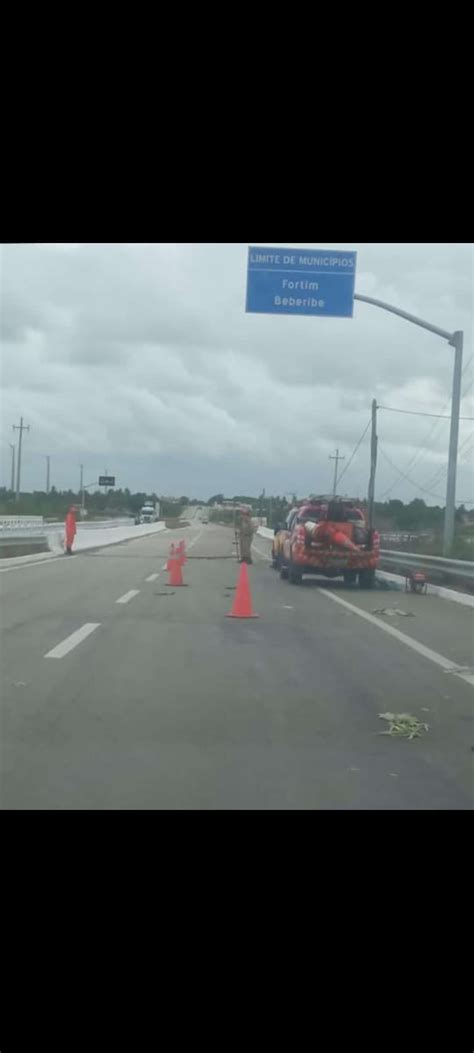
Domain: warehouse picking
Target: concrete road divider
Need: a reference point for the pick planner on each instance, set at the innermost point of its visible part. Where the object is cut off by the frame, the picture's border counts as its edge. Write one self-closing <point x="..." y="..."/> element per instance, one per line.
<point x="88" y="539"/>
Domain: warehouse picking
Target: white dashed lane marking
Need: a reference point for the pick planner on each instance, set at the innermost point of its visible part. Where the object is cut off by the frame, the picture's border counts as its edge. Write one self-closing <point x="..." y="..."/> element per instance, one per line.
<point x="73" y="640"/>
<point x="128" y="596"/>
<point x="152" y="577"/>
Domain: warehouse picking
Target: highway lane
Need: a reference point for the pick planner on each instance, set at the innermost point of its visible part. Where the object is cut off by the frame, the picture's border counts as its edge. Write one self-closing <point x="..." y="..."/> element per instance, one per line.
<point x="168" y="704"/>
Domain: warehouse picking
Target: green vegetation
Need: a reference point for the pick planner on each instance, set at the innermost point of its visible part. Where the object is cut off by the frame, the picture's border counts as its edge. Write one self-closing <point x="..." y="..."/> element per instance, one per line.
<point x="394" y="516"/>
<point x="389" y="517"/>
<point x="225" y="515"/>
<point x="99" y="505"/>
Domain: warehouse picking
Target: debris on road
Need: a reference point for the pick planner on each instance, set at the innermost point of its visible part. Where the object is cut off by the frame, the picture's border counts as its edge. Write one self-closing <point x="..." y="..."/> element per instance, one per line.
<point x="403" y="725"/>
<point x="392" y="611"/>
<point x="458" y="669"/>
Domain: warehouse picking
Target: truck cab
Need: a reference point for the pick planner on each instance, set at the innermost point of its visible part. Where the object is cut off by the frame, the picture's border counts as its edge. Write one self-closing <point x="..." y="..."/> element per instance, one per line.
<point x="148" y="514"/>
<point x="280" y="533"/>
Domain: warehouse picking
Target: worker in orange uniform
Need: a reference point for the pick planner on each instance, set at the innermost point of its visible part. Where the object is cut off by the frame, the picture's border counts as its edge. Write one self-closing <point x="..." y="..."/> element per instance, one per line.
<point x="245" y="536"/>
<point x="70" y="527"/>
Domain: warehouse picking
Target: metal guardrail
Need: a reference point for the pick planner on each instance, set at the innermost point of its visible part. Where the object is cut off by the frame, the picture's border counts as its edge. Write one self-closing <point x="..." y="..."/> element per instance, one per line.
<point x="460" y="568"/>
<point x="11" y="524"/>
<point x="12" y="527"/>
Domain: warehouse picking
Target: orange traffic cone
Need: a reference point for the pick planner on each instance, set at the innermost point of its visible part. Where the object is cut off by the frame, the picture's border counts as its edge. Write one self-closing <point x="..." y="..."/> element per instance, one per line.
<point x="175" y="573"/>
<point x="171" y="557"/>
<point x="242" y="606"/>
<point x="341" y="539"/>
<point x="182" y="552"/>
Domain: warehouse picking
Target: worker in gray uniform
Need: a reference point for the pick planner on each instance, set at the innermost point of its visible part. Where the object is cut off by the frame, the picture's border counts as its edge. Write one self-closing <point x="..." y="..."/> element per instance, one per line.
<point x="245" y="536"/>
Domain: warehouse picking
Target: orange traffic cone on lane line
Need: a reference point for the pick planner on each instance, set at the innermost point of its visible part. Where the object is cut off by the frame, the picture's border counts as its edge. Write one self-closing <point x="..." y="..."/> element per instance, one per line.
<point x="174" y="568"/>
<point x="242" y="606"/>
<point x="175" y="572"/>
<point x="171" y="557"/>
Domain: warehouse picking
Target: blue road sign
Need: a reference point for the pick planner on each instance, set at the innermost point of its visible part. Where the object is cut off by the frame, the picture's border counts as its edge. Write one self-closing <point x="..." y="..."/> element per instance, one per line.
<point x="301" y="281"/>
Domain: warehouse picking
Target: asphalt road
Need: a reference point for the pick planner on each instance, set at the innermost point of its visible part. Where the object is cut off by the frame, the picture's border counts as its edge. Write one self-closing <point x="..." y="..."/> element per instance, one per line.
<point x="121" y="693"/>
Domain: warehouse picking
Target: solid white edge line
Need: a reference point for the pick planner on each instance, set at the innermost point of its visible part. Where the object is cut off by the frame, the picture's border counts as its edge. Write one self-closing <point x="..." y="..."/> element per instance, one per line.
<point x="432" y="656"/>
<point x="73" y="640"/>
<point x="128" y="596"/>
<point x="464" y="598"/>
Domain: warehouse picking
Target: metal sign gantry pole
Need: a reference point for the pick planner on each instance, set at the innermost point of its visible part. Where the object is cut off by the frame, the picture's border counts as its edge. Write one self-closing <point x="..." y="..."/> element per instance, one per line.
<point x="454" y="340"/>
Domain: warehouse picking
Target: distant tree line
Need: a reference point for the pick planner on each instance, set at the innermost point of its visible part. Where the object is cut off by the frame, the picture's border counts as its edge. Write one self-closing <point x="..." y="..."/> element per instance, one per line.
<point x="389" y="516"/>
<point x="104" y="504"/>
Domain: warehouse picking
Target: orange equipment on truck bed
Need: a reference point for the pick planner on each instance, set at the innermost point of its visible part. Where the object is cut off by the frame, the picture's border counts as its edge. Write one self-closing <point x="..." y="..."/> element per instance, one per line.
<point x="331" y="537"/>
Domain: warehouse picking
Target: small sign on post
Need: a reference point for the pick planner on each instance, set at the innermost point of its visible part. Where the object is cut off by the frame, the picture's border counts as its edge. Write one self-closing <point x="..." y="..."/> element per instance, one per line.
<point x="301" y="281"/>
<point x="106" y="480"/>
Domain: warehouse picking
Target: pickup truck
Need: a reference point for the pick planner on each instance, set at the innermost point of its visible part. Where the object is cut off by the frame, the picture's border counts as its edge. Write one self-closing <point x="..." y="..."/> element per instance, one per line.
<point x="282" y="531"/>
<point x="330" y="538"/>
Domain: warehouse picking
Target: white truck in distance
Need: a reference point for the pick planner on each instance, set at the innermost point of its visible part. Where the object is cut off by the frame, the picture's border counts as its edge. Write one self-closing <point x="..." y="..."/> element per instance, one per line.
<point x="150" y="513"/>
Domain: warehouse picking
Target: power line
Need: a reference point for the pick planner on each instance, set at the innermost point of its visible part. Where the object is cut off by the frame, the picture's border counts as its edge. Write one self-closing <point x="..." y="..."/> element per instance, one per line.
<point x="443" y="469"/>
<point x="418" y="453"/>
<point x="407" y="477"/>
<point x="431" y="433"/>
<point x="468" y="363"/>
<point x="351" y="458"/>
<point x="417" y="413"/>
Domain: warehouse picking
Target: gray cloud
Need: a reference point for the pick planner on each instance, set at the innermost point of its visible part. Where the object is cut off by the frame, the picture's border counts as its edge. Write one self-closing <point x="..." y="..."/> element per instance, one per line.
<point x="143" y="356"/>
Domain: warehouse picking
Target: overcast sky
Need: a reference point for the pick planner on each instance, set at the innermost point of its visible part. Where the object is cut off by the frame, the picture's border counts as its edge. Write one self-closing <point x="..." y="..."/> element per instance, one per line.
<point x="141" y="359"/>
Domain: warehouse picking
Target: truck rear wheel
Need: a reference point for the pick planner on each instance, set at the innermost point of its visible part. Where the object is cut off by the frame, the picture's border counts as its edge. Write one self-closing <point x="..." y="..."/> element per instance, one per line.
<point x="274" y="561"/>
<point x="350" y="577"/>
<point x="295" y="576"/>
<point x="283" y="570"/>
<point x="367" y="579"/>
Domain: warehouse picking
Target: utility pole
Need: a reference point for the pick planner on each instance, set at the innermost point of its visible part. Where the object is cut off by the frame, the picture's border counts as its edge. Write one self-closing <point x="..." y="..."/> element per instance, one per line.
<point x="12" y="486"/>
<point x="457" y="343"/>
<point x="48" y="459"/>
<point x="81" y="488"/>
<point x="337" y="458"/>
<point x="373" y="464"/>
<point x="21" y="428"/>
